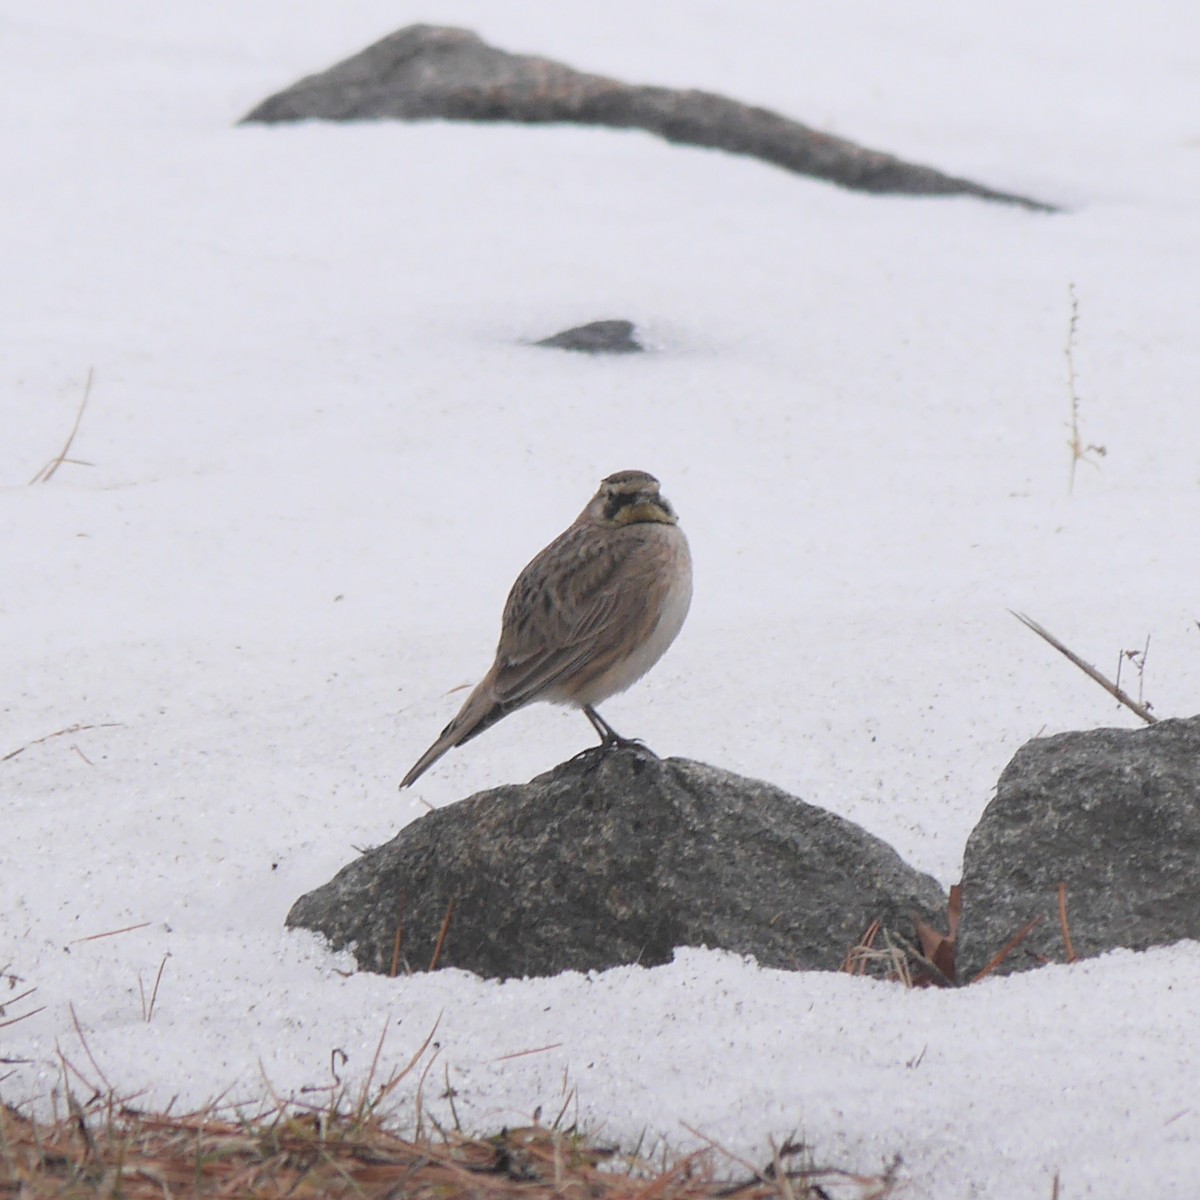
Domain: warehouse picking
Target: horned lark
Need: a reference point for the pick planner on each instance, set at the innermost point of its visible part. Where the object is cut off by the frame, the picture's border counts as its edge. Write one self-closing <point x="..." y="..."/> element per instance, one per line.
<point x="590" y="615"/>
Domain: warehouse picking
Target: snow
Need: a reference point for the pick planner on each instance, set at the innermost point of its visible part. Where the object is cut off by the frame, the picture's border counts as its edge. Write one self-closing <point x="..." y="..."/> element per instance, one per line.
<point x="318" y="448"/>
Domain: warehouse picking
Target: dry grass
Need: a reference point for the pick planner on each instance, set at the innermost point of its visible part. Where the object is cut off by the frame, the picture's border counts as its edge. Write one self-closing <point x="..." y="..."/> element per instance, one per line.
<point x="935" y="962"/>
<point x="111" y="1152"/>
<point x="349" y="1145"/>
<point x="897" y="960"/>
<point x="47" y="472"/>
<point x="57" y="734"/>
<point x="1079" y="452"/>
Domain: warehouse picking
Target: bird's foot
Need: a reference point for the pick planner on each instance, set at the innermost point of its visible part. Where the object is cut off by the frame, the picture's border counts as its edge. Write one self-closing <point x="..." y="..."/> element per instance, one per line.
<point x="610" y="739"/>
<point x="593" y="756"/>
<point x="617" y="742"/>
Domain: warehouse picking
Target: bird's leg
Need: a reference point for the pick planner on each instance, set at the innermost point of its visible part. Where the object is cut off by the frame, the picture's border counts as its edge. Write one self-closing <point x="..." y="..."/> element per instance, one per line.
<point x="609" y="737"/>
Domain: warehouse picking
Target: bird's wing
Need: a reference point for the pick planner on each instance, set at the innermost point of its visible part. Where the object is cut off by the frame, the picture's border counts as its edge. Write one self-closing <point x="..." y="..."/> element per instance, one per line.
<point x="567" y="611"/>
<point x="562" y="606"/>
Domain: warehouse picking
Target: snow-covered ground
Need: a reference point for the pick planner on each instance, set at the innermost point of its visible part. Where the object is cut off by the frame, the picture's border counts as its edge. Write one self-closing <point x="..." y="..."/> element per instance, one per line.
<point x="317" y="451"/>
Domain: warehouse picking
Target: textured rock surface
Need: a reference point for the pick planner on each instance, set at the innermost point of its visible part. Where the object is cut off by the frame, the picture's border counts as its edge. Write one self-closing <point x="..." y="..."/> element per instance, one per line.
<point x="1112" y="813"/>
<point x="596" y="337"/>
<point x="618" y="857"/>
<point x="424" y="72"/>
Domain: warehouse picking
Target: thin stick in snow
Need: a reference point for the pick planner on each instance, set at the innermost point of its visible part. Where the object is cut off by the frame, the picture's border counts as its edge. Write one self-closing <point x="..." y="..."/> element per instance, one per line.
<point x="1142" y="710"/>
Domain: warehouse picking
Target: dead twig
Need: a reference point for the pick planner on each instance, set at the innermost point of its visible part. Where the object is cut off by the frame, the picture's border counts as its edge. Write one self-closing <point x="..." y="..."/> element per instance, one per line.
<point x="1140" y="710"/>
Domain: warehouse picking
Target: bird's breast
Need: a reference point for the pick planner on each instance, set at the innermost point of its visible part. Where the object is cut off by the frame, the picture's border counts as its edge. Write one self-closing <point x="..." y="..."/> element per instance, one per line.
<point x="653" y="620"/>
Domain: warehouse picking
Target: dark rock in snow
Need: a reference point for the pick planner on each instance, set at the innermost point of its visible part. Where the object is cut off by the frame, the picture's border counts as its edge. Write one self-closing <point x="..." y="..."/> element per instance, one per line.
<point x="1115" y="815"/>
<point x="597" y="337"/>
<point x="426" y="72"/>
<point x="618" y="857"/>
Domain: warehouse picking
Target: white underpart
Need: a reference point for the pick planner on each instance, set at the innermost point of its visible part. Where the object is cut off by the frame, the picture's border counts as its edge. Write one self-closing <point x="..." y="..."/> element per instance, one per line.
<point x="629" y="670"/>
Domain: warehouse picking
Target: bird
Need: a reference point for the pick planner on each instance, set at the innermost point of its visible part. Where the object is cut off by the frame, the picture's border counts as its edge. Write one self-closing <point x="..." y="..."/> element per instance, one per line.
<point x="587" y="617"/>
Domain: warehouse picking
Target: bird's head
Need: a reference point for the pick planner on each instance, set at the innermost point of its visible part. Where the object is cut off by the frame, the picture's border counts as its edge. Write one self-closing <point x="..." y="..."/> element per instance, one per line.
<point x="627" y="498"/>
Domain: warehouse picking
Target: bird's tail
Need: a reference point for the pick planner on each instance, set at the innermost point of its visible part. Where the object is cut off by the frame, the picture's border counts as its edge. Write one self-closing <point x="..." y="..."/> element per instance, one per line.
<point x="480" y="711"/>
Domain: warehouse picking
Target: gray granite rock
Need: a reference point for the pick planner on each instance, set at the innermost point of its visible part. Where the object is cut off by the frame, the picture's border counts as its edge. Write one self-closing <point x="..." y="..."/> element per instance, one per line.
<point x="596" y="337"/>
<point x="1113" y="814"/>
<point x="618" y="857"/>
<point x="425" y="72"/>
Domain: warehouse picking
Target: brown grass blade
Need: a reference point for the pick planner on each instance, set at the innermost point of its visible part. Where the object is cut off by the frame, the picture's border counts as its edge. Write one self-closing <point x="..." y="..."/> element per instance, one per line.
<point x="47" y="472"/>
<point x="95" y="937"/>
<point x="1008" y="947"/>
<point x="855" y="962"/>
<point x="954" y="911"/>
<point x="33" y="1012"/>
<point x="398" y="940"/>
<point x="1062" y="920"/>
<point x="437" y="950"/>
<point x="57" y="734"/>
<point x="938" y="950"/>
<point x="526" y="1053"/>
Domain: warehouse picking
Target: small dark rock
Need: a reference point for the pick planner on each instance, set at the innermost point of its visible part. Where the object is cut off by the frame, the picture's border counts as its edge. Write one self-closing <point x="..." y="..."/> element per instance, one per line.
<point x="618" y="857"/>
<point x="428" y="72"/>
<point x="597" y="337"/>
<point x="1114" y="815"/>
